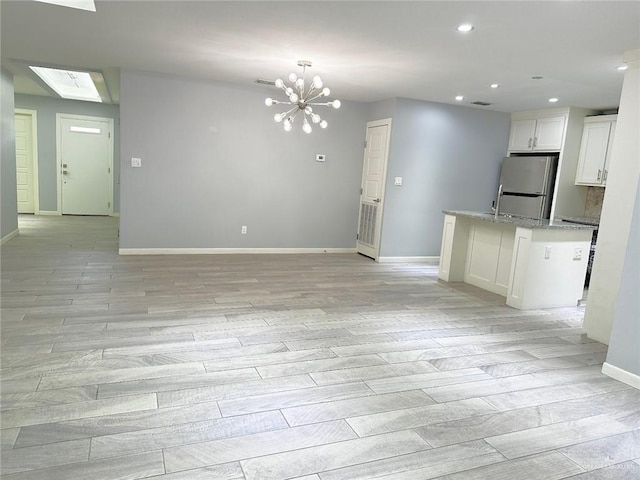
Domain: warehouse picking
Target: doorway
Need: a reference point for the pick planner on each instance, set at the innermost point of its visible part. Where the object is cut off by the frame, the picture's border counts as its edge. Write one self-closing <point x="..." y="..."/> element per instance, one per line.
<point x="374" y="174"/>
<point x="85" y="165"/>
<point x="27" y="160"/>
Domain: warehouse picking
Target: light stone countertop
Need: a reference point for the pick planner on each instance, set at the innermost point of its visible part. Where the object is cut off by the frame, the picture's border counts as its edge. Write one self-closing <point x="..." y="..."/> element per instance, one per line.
<point x="521" y="222"/>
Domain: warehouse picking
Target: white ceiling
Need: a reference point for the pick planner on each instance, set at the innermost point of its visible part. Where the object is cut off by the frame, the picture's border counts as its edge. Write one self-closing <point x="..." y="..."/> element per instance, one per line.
<point x="364" y="50"/>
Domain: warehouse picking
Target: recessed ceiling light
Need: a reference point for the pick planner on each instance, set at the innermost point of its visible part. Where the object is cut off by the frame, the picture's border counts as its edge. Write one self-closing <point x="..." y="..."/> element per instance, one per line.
<point x="553" y="100"/>
<point x="622" y="68"/>
<point x="73" y="85"/>
<point x="459" y="98"/>
<point x="88" y="5"/>
<point x="465" y="27"/>
<point x="495" y="85"/>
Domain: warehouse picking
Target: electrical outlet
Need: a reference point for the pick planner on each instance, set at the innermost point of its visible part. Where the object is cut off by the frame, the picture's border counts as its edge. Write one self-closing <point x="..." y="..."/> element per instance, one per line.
<point x="547" y="252"/>
<point x="244" y="230"/>
<point x="320" y="157"/>
<point x="577" y="254"/>
<point x="397" y="181"/>
<point x="136" y="162"/>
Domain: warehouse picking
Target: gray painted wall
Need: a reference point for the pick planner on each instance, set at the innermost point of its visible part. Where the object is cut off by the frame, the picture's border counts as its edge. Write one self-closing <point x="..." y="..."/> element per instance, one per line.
<point x="47" y="109"/>
<point x="381" y="110"/>
<point x="9" y="212"/>
<point x="213" y="160"/>
<point x="625" y="335"/>
<point x="449" y="157"/>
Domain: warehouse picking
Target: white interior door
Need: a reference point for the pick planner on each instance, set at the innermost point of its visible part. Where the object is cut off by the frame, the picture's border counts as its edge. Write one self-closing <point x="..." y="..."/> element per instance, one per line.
<point x="374" y="174"/>
<point x="25" y="169"/>
<point x="85" y="160"/>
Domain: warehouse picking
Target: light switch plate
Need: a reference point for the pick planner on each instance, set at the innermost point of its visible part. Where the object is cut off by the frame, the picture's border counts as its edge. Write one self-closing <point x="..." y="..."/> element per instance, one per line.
<point x="136" y="162"/>
<point x="320" y="157"/>
<point x="398" y="181"/>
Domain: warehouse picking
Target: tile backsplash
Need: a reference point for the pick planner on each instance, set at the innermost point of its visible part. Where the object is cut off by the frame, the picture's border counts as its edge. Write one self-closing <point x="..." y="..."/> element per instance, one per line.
<point x="595" y="195"/>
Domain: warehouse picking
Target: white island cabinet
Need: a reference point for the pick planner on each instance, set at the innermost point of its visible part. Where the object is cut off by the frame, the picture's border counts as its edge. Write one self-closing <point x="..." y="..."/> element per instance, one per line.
<point x="532" y="264"/>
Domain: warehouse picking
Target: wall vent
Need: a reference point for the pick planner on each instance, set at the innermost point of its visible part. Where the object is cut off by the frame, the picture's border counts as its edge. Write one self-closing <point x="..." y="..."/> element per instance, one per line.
<point x="262" y="81"/>
<point x="367" y="230"/>
<point x="482" y="104"/>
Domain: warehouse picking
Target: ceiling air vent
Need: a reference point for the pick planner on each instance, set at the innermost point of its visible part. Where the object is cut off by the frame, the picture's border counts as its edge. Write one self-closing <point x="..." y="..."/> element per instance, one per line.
<point x="482" y="104"/>
<point x="262" y="81"/>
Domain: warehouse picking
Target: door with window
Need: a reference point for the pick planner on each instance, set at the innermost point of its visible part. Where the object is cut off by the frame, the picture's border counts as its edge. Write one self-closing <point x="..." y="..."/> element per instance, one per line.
<point x="85" y="160"/>
<point x="374" y="174"/>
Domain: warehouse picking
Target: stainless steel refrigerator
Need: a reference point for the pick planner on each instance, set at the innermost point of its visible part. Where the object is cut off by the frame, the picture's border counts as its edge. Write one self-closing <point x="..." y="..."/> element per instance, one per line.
<point x="527" y="185"/>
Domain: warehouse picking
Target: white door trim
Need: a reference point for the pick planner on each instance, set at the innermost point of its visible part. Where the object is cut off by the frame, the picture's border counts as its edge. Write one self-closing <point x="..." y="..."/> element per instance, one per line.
<point x="378" y="233"/>
<point x="59" y="117"/>
<point x="34" y="146"/>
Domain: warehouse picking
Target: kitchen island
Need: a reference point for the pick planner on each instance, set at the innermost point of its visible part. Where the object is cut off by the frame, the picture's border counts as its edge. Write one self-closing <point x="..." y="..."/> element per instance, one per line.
<point x="534" y="264"/>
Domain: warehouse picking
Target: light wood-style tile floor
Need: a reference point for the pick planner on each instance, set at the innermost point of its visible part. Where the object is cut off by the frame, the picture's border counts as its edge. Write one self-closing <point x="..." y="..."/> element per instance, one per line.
<point x="314" y="367"/>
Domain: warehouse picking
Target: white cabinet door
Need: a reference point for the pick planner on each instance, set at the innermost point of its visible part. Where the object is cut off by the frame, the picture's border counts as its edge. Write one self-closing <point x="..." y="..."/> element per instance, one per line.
<point x="549" y="133"/>
<point x="539" y="134"/>
<point x="608" y="155"/>
<point x="521" y="136"/>
<point x="594" y="152"/>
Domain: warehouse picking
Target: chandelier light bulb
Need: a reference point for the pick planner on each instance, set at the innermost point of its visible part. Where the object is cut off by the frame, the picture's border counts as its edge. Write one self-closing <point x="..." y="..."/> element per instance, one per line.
<point x="301" y="97"/>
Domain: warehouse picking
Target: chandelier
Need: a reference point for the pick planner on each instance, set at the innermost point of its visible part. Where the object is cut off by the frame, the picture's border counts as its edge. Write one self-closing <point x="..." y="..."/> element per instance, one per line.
<point x="302" y="100"/>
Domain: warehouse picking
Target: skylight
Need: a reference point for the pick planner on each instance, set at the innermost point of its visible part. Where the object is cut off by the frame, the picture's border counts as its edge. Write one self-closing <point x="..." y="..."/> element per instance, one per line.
<point x="72" y="84"/>
<point x="88" y="5"/>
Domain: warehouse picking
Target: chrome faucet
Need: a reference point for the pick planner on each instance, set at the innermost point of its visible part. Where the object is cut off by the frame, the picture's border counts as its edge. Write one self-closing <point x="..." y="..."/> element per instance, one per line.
<point x="497" y="212"/>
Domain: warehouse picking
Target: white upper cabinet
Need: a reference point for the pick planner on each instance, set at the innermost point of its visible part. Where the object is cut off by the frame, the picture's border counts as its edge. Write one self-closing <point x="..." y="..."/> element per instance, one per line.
<point x="541" y="134"/>
<point x="595" y="150"/>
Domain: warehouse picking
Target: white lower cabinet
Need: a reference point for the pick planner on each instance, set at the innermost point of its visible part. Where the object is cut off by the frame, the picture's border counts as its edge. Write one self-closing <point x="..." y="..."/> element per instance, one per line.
<point x="488" y="261"/>
<point x="532" y="267"/>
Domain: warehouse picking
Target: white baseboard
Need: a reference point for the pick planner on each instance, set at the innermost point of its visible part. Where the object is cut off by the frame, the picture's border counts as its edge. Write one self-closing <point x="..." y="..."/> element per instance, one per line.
<point x="48" y="212"/>
<point x="9" y="236"/>
<point x="621" y="375"/>
<point x="429" y="260"/>
<point x="115" y="214"/>
<point x="227" y="251"/>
